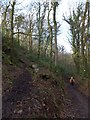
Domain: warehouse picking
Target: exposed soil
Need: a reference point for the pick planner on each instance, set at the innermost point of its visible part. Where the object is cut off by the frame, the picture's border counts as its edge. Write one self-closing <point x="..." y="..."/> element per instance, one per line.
<point x="30" y="96"/>
<point x="76" y="104"/>
<point x="27" y="94"/>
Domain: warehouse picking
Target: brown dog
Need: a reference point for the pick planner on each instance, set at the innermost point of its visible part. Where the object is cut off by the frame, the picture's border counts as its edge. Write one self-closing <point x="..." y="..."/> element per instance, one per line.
<point x="72" y="81"/>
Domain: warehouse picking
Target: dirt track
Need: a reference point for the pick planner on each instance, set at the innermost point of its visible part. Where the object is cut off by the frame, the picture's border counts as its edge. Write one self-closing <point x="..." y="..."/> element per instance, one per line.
<point x="76" y="103"/>
<point x="27" y="99"/>
<point x="24" y="100"/>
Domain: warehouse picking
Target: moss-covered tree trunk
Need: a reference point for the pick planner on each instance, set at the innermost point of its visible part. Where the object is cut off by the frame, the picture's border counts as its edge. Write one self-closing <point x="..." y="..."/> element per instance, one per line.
<point x="50" y="36"/>
<point x="55" y="4"/>
<point x="12" y="18"/>
<point x="18" y="38"/>
<point x="84" y="59"/>
<point x="4" y="25"/>
<point x="12" y="28"/>
<point x="39" y="31"/>
<point x="30" y="35"/>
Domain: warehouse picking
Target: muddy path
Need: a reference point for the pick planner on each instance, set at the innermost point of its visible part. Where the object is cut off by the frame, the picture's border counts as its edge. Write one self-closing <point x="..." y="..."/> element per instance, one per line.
<point x="76" y="104"/>
<point x="27" y="99"/>
<point x="13" y="98"/>
<point x="30" y="99"/>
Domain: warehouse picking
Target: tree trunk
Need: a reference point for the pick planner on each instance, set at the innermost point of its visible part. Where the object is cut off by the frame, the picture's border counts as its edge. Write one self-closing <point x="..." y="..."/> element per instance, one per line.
<point x="4" y="25"/>
<point x="12" y="16"/>
<point x="55" y="31"/>
<point x="39" y="29"/>
<point x="18" y="38"/>
<point x="51" y="36"/>
<point x="84" y="59"/>
<point x="30" y="36"/>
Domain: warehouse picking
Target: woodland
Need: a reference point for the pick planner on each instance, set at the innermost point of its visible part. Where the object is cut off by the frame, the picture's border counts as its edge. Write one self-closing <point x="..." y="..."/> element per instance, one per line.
<point x="35" y="69"/>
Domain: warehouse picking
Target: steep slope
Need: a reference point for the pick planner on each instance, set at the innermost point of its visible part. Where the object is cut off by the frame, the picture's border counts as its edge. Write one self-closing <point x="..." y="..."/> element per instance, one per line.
<point x="31" y="90"/>
<point x="28" y="93"/>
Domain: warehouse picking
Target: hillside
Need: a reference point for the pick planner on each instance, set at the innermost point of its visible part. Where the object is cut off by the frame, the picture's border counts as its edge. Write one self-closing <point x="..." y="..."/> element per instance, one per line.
<point x="41" y="78"/>
<point x="27" y="93"/>
<point x="32" y="90"/>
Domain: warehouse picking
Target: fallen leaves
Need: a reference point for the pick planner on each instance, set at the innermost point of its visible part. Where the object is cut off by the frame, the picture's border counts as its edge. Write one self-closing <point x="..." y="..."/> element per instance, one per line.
<point x="34" y="98"/>
<point x="18" y="111"/>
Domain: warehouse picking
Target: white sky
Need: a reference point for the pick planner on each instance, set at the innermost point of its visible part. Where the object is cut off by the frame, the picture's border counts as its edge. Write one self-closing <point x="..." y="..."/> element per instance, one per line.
<point x="64" y="8"/>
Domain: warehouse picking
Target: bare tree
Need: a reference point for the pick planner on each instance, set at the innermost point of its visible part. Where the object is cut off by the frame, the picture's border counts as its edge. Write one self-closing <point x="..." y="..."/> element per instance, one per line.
<point x="18" y="22"/>
<point x="12" y="17"/>
<point x="50" y="32"/>
<point x="55" y="4"/>
<point x="78" y="26"/>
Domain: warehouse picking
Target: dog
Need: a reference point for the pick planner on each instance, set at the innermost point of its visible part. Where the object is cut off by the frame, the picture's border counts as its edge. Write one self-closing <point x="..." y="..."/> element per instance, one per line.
<point x="72" y="81"/>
